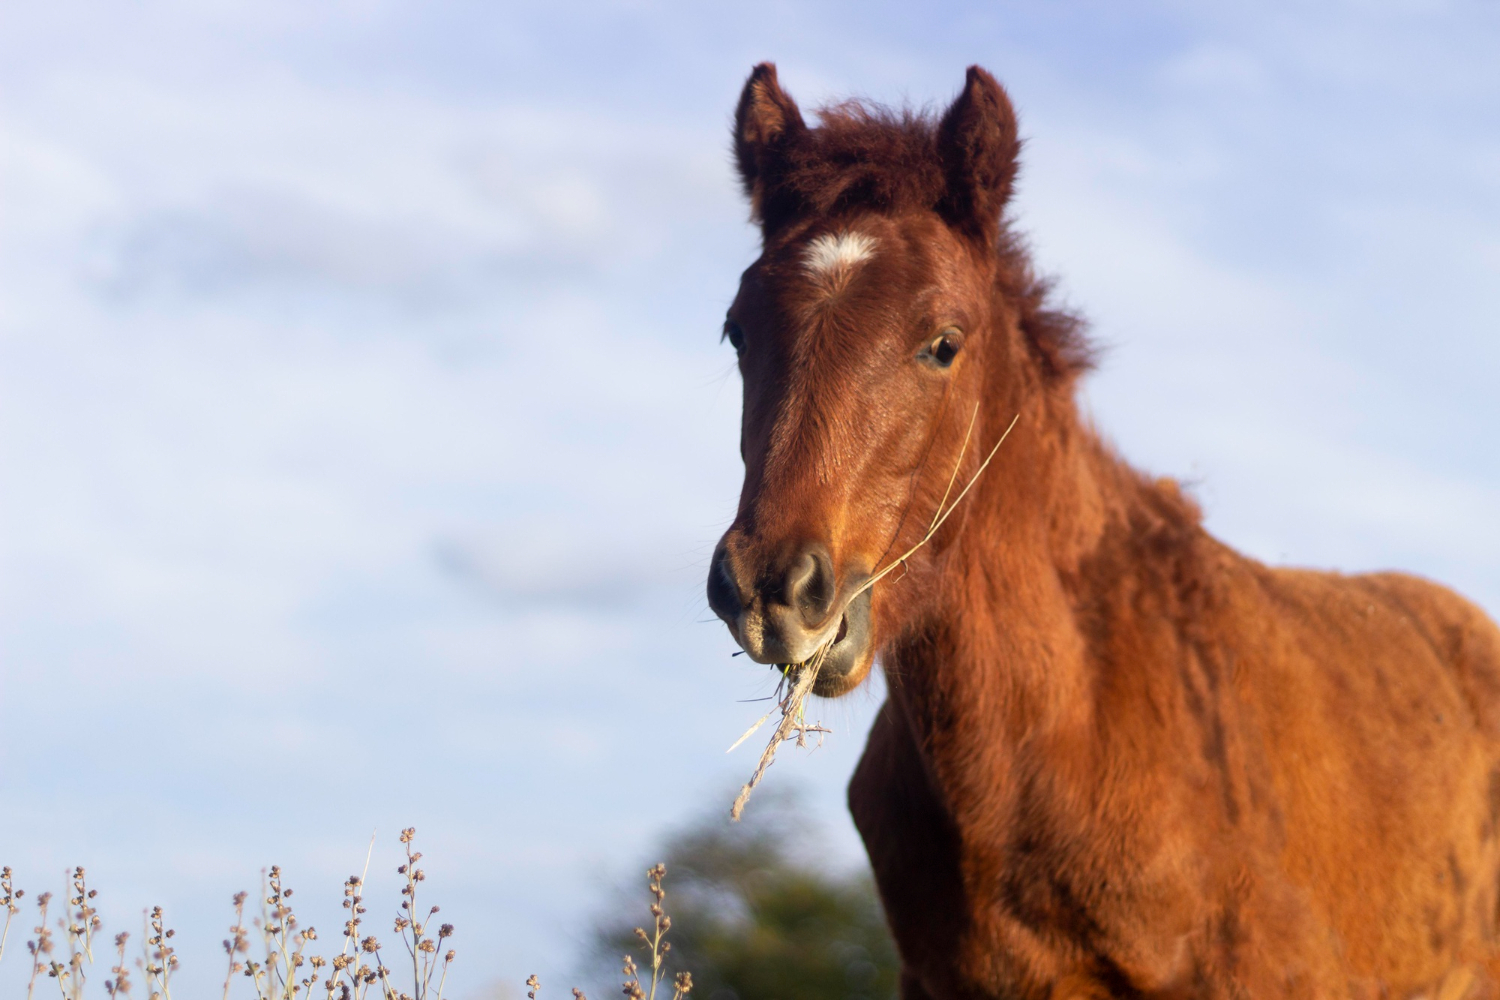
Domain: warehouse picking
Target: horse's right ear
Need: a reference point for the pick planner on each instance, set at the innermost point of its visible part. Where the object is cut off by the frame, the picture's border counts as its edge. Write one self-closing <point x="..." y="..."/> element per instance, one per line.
<point x="765" y="123"/>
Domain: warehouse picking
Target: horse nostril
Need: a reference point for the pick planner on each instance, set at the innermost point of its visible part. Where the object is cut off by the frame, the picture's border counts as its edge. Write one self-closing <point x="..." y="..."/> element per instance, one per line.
<point x="723" y="593"/>
<point x="809" y="585"/>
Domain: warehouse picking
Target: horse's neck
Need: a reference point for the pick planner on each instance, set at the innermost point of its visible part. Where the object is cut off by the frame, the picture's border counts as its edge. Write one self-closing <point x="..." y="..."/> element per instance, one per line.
<point x="1006" y="661"/>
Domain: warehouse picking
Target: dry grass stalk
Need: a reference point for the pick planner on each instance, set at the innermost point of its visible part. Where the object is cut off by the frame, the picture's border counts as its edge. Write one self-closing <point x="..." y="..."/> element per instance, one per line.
<point x="798" y="678"/>
<point x="280" y="975"/>
<point x="238" y="943"/>
<point x="276" y="978"/>
<point x="120" y="985"/>
<point x="797" y="681"/>
<point x="43" y="943"/>
<point x="942" y="513"/>
<point x="8" y="896"/>
<point x="287" y="970"/>
<point x="657" y="944"/>
<point x="420" y="945"/>
<point x="80" y="921"/>
<point x="160" y="958"/>
<point x="84" y="918"/>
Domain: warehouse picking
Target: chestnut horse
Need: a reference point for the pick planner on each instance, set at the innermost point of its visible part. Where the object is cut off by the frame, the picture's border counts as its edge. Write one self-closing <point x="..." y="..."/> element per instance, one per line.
<point x="1117" y="757"/>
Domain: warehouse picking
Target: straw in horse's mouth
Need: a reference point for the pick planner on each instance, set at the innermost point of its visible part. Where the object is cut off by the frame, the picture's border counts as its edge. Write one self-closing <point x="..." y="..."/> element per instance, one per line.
<point x="797" y="678"/>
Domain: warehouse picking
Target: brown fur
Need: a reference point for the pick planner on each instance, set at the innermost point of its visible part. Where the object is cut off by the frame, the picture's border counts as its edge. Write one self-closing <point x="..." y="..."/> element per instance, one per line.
<point x="1117" y="758"/>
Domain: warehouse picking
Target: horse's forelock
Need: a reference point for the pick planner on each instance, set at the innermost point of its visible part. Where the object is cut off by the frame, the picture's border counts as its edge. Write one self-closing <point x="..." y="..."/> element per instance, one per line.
<point x="865" y="157"/>
<point x="860" y="157"/>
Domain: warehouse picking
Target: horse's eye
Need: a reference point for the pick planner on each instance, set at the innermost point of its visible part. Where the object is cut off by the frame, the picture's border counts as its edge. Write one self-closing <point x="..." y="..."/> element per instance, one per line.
<point x="940" y="351"/>
<point x="734" y="335"/>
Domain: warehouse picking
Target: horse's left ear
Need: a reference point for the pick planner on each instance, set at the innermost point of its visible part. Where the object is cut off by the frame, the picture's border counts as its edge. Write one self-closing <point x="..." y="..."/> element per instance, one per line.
<point x="978" y="145"/>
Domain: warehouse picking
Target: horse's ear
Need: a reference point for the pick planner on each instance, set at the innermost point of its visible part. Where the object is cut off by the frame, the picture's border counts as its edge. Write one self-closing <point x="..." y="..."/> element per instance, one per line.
<point x="765" y="123"/>
<point x="978" y="145"/>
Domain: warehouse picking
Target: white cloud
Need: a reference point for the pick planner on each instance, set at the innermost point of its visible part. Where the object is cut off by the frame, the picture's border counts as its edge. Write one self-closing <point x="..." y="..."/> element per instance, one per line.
<point x="306" y="310"/>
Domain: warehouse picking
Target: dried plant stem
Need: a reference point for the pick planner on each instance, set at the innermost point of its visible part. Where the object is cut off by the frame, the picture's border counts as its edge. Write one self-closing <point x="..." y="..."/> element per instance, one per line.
<point x="43" y="943"/>
<point x="160" y="957"/>
<point x="958" y="463"/>
<point x="290" y="968"/>
<point x="655" y="942"/>
<point x="237" y="943"/>
<point x="942" y="514"/>
<point x="8" y="896"/>
<point x="345" y="964"/>
<point x="120" y="985"/>
<point x="78" y="923"/>
<point x="73" y="934"/>
<point x="86" y="917"/>
<point x="420" y="944"/>
<point x="798" y="678"/>
<point x="660" y="926"/>
<point x="387" y="990"/>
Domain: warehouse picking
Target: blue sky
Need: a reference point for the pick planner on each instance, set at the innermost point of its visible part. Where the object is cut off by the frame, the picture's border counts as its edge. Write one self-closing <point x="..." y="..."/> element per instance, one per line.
<point x="366" y="430"/>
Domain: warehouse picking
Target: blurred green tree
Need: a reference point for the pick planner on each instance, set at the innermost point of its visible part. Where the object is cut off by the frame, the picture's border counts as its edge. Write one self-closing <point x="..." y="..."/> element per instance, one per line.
<point x="756" y="916"/>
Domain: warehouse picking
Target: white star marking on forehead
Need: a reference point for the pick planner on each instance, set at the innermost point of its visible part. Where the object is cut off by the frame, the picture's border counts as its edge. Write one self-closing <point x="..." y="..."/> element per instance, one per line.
<point x="833" y="255"/>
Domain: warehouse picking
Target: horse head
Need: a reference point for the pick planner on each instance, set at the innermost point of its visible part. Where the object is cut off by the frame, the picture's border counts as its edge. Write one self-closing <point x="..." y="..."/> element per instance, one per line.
<point x="872" y="347"/>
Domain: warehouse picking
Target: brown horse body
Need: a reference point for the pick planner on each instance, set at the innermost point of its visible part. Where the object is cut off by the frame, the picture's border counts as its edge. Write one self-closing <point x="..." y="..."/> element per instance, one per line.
<point x="1117" y="758"/>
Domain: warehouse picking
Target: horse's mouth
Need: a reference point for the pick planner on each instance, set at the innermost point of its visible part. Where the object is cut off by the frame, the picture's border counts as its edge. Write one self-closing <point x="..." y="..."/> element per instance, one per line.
<point x="849" y="656"/>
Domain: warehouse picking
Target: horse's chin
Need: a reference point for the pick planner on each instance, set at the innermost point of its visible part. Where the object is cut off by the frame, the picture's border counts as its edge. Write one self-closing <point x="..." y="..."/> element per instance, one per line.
<point x="830" y="686"/>
<point x="848" y="661"/>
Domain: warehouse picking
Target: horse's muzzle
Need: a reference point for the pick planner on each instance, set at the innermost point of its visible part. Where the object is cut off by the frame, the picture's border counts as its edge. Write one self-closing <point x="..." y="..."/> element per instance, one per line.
<point x="796" y="612"/>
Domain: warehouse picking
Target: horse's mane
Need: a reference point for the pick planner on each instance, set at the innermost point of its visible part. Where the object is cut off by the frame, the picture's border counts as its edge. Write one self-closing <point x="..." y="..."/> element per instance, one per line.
<point x="864" y="156"/>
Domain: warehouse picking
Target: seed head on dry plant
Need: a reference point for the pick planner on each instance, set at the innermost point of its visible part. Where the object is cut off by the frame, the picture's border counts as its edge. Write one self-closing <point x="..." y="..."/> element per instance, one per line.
<point x="358" y="966"/>
<point x="797" y="679"/>
<point x="41" y="948"/>
<point x="119" y="986"/>
<point x="283" y="943"/>
<point x="8" y="896"/>
<point x="656" y="943"/>
<point x="83" y="918"/>
<point x="421" y="945"/>
<point x="286" y="968"/>
<point x="159" y="958"/>
<point x="79" y="923"/>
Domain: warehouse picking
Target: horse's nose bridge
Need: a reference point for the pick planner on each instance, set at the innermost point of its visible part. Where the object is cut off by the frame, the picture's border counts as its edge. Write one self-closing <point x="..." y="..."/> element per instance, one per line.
<point x="785" y="550"/>
<point x="809" y="428"/>
<point x="795" y="499"/>
<point x="784" y="571"/>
